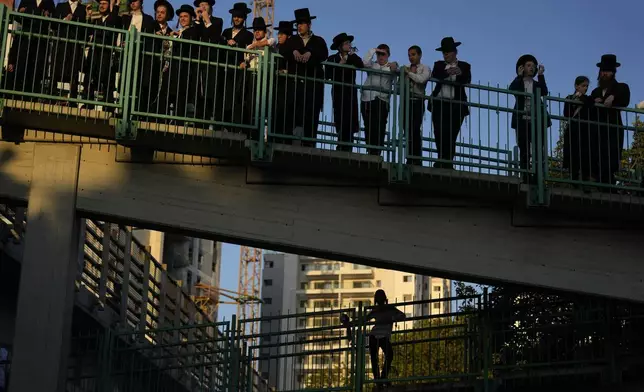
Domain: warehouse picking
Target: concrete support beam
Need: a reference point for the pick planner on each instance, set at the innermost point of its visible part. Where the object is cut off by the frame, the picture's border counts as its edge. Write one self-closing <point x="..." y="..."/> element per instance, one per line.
<point x="45" y="299"/>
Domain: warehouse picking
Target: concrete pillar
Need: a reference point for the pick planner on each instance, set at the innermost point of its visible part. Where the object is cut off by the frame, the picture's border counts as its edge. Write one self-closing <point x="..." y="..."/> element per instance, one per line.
<point x="46" y="293"/>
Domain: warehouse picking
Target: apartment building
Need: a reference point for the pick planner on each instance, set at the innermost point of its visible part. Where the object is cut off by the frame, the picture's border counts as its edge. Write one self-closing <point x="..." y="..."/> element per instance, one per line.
<point x="188" y="260"/>
<point x="303" y="285"/>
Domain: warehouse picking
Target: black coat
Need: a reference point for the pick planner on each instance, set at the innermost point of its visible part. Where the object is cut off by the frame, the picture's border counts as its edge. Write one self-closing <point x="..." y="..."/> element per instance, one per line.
<point x="234" y="79"/>
<point x="580" y="136"/>
<point x="319" y="53"/>
<point x="103" y="61"/>
<point x="68" y="56"/>
<point x="345" y="98"/>
<point x="464" y="78"/>
<point x="183" y="73"/>
<point x="610" y="128"/>
<point x="147" y="25"/>
<point x="212" y="75"/>
<point x="518" y="85"/>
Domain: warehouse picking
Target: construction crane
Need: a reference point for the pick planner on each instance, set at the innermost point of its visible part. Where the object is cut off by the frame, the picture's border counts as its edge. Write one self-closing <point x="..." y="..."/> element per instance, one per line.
<point x="209" y="298"/>
<point x="250" y="274"/>
<point x="265" y="9"/>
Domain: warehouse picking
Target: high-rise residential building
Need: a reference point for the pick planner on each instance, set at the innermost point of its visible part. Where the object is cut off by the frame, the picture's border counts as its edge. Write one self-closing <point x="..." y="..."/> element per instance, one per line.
<point x="428" y="287"/>
<point x="294" y="284"/>
<point x="188" y="260"/>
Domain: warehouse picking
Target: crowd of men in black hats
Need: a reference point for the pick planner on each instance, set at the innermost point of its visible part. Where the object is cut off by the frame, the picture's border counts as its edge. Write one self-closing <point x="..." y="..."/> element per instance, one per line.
<point x="205" y="89"/>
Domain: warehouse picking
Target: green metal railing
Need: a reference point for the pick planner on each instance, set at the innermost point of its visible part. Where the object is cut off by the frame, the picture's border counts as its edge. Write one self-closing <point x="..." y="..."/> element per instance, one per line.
<point x="174" y="89"/>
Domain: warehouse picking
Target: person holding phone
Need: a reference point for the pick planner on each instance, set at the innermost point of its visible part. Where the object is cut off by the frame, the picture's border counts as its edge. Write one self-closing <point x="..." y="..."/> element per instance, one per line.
<point x="527" y="68"/>
<point x="376" y="93"/>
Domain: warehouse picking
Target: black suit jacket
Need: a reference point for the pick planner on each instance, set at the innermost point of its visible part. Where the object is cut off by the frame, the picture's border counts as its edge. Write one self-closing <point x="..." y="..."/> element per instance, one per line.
<point x="622" y="94"/>
<point x="31" y="7"/>
<point x="147" y="25"/>
<point x="518" y="85"/>
<point x="212" y="33"/>
<point x="63" y="9"/>
<point x="319" y="53"/>
<point x="464" y="78"/>
<point x="242" y="40"/>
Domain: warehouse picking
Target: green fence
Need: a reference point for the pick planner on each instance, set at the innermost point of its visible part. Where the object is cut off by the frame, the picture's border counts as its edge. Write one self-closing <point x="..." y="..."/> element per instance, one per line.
<point x="162" y="91"/>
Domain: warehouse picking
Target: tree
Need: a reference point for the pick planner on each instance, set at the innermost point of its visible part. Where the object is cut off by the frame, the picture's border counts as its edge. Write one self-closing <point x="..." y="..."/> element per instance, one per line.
<point x="335" y="376"/>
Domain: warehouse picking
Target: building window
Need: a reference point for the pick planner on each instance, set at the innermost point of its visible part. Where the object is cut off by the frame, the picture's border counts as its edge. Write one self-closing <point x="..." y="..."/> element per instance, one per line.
<point x="189" y="279"/>
<point x="426" y="286"/>
<point x="304" y="304"/>
<point x="407" y="278"/>
<point x="437" y="305"/>
<point x="437" y="288"/>
<point x="268" y="301"/>
<point x="303" y="267"/>
<point x="267" y="264"/>
<point x="198" y="279"/>
<point x="407" y="298"/>
<point x="378" y="283"/>
<point x="304" y="286"/>
<point x="268" y="282"/>
<point x="408" y="315"/>
<point x="302" y="322"/>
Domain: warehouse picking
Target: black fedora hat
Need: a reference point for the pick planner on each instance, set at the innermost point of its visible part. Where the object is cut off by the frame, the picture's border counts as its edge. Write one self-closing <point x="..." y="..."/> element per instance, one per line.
<point x="303" y="15"/>
<point x="240" y="9"/>
<point x="448" y="45"/>
<point x="524" y="59"/>
<point x="340" y="39"/>
<point x="609" y="62"/>
<point x="286" y="27"/>
<point x="168" y="7"/>
<point x="210" y="2"/>
<point x="259" y="24"/>
<point x="186" y="8"/>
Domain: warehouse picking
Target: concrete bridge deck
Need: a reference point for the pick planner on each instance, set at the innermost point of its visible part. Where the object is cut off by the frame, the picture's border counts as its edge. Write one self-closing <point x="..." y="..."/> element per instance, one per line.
<point x="592" y="248"/>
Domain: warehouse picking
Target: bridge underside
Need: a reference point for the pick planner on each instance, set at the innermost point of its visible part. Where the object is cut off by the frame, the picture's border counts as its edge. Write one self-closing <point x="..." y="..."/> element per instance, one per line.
<point x="427" y="230"/>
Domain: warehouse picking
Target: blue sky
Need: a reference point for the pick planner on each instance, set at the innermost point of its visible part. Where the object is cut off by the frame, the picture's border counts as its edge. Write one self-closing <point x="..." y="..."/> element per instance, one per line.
<point x="567" y="36"/>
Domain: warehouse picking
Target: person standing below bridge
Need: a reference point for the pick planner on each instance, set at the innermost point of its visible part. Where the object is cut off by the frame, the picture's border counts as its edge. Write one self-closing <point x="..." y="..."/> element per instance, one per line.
<point x="612" y="95"/>
<point x="450" y="110"/>
<point x="418" y="75"/>
<point x="375" y="96"/>
<point x="526" y="68"/>
<point x="304" y="57"/>
<point x="385" y="316"/>
<point x="345" y="95"/>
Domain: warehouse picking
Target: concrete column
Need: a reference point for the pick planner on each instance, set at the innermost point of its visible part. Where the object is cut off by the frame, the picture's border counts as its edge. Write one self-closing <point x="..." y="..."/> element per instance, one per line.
<point x="46" y="293"/>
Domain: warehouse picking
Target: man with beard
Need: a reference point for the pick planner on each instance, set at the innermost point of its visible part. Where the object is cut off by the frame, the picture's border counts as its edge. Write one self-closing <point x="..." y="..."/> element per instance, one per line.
<point x="612" y="95"/>
<point x="234" y="78"/>
<point x="345" y="94"/>
<point x="304" y="58"/>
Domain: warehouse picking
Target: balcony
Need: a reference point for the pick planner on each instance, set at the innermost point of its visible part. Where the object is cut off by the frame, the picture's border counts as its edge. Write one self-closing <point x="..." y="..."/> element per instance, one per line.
<point x="313" y="270"/>
<point x="357" y="270"/>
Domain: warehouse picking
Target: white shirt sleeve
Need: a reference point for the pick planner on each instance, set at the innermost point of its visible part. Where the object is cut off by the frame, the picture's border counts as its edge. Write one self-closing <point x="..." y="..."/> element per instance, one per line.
<point x="272" y="42"/>
<point x="422" y="77"/>
<point x="368" y="58"/>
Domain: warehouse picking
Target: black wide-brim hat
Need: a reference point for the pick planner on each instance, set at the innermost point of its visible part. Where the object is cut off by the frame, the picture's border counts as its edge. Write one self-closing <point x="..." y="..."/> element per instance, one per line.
<point x="210" y="2"/>
<point x="303" y="15"/>
<point x="340" y="39"/>
<point x="608" y="62"/>
<point x="186" y="8"/>
<point x="168" y="7"/>
<point x="240" y="9"/>
<point x="286" y="27"/>
<point x="259" y="24"/>
<point x="524" y="59"/>
<point x="448" y="45"/>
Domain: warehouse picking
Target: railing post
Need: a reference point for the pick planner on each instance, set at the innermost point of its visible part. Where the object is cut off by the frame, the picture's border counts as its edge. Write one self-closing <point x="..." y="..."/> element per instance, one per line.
<point x="234" y="357"/>
<point x="263" y="95"/>
<point x="398" y="135"/>
<point x="359" y="351"/>
<point x="123" y="127"/>
<point x="485" y="335"/>
<point x="4" y="30"/>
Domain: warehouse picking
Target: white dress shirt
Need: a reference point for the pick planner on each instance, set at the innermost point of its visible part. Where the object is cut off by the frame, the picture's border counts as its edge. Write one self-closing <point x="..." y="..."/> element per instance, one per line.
<point x="137" y="20"/>
<point x="447" y="91"/>
<point x="419" y="79"/>
<point x="528" y="84"/>
<point x="377" y="80"/>
<point x="72" y="5"/>
<point x="253" y="59"/>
